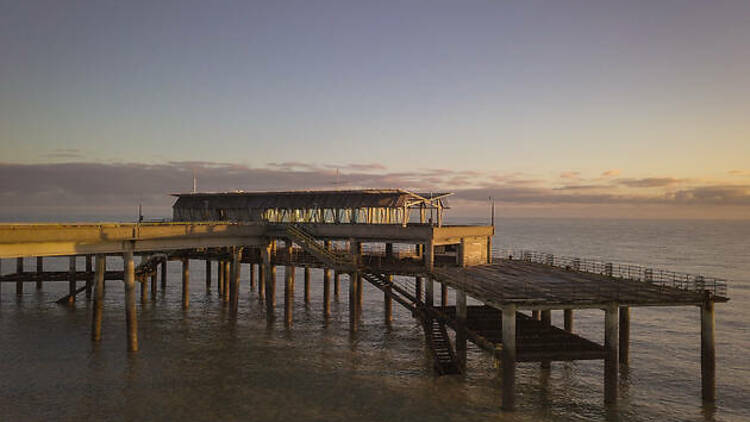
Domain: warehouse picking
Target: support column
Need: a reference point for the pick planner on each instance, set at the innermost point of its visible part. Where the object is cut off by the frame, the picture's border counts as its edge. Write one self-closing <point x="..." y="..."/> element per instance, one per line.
<point x="461" y="316"/>
<point x="72" y="280"/>
<point x="269" y="273"/>
<point x="261" y="282"/>
<point x="443" y="294"/>
<point x="144" y="288"/>
<point x="429" y="294"/>
<point x="164" y="275"/>
<point x="536" y="315"/>
<point x="153" y="285"/>
<point x="388" y="301"/>
<point x="546" y="321"/>
<point x="235" y="274"/>
<point x="130" y="313"/>
<point x="185" y="282"/>
<point x="509" y="357"/>
<point x="708" y="352"/>
<point x="220" y="278"/>
<point x="208" y="276"/>
<point x="89" y="276"/>
<point x="19" y="283"/>
<point x="252" y="277"/>
<point x="227" y="280"/>
<point x="624" y="352"/>
<point x="418" y="288"/>
<point x="96" y="319"/>
<point x="568" y="320"/>
<point x="353" y="312"/>
<point x="326" y="292"/>
<point x="610" y="354"/>
<point x="307" y="285"/>
<point x="289" y="295"/>
<point x="336" y="284"/>
<point x="39" y="271"/>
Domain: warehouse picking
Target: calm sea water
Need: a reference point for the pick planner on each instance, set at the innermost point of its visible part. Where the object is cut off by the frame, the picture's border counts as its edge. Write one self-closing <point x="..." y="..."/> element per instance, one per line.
<point x="200" y="364"/>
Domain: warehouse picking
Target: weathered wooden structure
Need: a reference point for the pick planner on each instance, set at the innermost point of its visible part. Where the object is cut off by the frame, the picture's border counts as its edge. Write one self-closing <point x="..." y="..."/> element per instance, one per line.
<point x="518" y="291"/>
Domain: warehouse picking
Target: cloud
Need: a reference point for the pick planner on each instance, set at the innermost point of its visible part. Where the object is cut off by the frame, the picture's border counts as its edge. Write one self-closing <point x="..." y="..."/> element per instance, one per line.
<point x="611" y="173"/>
<point x="570" y="175"/>
<point x="738" y="173"/>
<point x="650" y="182"/>
<point x="63" y="153"/>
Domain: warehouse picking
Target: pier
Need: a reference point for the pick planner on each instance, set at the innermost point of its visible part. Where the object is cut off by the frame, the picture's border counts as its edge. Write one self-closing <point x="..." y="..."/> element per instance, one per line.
<point x="393" y="239"/>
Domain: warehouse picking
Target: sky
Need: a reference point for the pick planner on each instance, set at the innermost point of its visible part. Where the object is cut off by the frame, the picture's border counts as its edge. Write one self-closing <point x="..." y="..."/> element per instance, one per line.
<point x="636" y="109"/>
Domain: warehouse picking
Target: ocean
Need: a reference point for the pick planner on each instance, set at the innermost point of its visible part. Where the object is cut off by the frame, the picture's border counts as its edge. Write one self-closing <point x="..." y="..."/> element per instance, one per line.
<point x="200" y="364"/>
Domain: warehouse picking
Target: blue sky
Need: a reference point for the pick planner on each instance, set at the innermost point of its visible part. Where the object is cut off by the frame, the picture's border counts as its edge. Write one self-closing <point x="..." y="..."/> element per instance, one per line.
<point x="552" y="95"/>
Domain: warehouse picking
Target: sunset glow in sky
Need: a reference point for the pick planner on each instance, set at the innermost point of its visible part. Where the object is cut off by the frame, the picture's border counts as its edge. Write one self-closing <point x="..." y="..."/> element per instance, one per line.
<point x="566" y="108"/>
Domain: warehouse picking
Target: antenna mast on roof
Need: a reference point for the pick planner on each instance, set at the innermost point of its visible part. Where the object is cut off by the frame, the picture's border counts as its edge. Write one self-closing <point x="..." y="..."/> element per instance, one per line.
<point x="195" y="183"/>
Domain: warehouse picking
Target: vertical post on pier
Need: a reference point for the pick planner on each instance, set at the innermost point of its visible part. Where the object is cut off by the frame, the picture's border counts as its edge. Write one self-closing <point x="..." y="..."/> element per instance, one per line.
<point x="357" y="251"/>
<point x="131" y="318"/>
<point x="39" y="271"/>
<point x="289" y="293"/>
<point x="461" y="316"/>
<point x="624" y="352"/>
<point x="164" y="274"/>
<point x="546" y="322"/>
<point x="536" y="315"/>
<point x="509" y="357"/>
<point x="226" y="267"/>
<point x="269" y="273"/>
<point x="418" y="288"/>
<point x="220" y="278"/>
<point x="443" y="295"/>
<point x="336" y="285"/>
<point x="144" y="288"/>
<point x="610" y="354"/>
<point x="72" y="280"/>
<point x="388" y="300"/>
<point x="96" y="319"/>
<point x="568" y="320"/>
<point x="185" y="282"/>
<point x="307" y="285"/>
<point x="326" y="292"/>
<point x="252" y="277"/>
<point x="235" y="274"/>
<point x="708" y="352"/>
<point x="153" y="284"/>
<point x="208" y="276"/>
<point x="19" y="282"/>
<point x="89" y="276"/>
<point x="353" y="312"/>
<point x="261" y="281"/>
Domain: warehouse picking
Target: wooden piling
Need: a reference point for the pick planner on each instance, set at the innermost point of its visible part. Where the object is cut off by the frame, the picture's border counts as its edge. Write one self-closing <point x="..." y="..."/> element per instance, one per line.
<point x="185" y="283"/>
<point x="235" y="274"/>
<point x="220" y="278"/>
<point x="269" y="273"/>
<point x="39" y="271"/>
<point x="610" y="354"/>
<point x="546" y="318"/>
<point x="326" y="292"/>
<point x="153" y="285"/>
<point x="289" y="295"/>
<point x="568" y="320"/>
<point x="536" y="315"/>
<point x="144" y="288"/>
<point x="130" y="310"/>
<point x="96" y="319"/>
<point x="19" y="270"/>
<point x="429" y="292"/>
<point x="208" y="276"/>
<point x="418" y="288"/>
<point x="72" y="280"/>
<point x="624" y="350"/>
<point x="336" y="283"/>
<point x="227" y="280"/>
<point x="252" y="277"/>
<point x="708" y="352"/>
<point x="353" y="312"/>
<point x="509" y="357"/>
<point x="261" y="282"/>
<point x="164" y="274"/>
<point x="307" y="285"/>
<point x="461" y="316"/>
<point x="388" y="301"/>
<point x="89" y="276"/>
<point x="443" y="294"/>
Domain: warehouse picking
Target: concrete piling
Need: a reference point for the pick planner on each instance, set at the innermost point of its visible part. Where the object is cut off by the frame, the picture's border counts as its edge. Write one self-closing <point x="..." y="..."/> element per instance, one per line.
<point x="208" y="276"/>
<point x="546" y="318"/>
<point x="89" y="276"/>
<point x="326" y="292"/>
<point x="185" y="283"/>
<point x="568" y="320"/>
<point x="708" y="352"/>
<point x="39" y="271"/>
<point x="610" y="356"/>
<point x="624" y="350"/>
<point x="130" y="310"/>
<point x="252" y="277"/>
<point x="388" y="301"/>
<point x="307" y="285"/>
<point x="226" y="268"/>
<point x="353" y="311"/>
<point x="509" y="357"/>
<point x="96" y="319"/>
<point x="461" y="316"/>
<point x="72" y="280"/>
<point x="443" y="294"/>
<point x="289" y="295"/>
<point x="19" y="270"/>
<point x="235" y="273"/>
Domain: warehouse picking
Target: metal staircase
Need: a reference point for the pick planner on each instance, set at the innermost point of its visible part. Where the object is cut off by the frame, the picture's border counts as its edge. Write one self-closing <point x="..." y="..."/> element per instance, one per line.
<point x="338" y="261"/>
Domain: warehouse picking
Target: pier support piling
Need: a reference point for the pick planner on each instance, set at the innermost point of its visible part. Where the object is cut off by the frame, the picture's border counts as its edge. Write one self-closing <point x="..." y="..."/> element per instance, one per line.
<point x="289" y="295"/>
<point x="96" y="319"/>
<point x="252" y="277"/>
<point x="226" y="267"/>
<point x="89" y="276"/>
<point x="19" y="283"/>
<point x="144" y="288"/>
<point x="546" y="318"/>
<point x="610" y="354"/>
<point x="72" y="280"/>
<point x="353" y="311"/>
<point x="461" y="316"/>
<point x="307" y="285"/>
<point x="131" y="318"/>
<point x="185" y="283"/>
<point x="153" y="285"/>
<point x="39" y="271"/>
<point x="388" y="301"/>
<point x="326" y="292"/>
<point x="624" y="350"/>
<point x="208" y="276"/>
<point x="261" y="282"/>
<point x="164" y="275"/>
<point x="509" y="357"/>
<point x="235" y="275"/>
<point x="418" y="289"/>
<point x="708" y="352"/>
<point x="568" y="320"/>
<point x="443" y="295"/>
<point x="220" y="278"/>
<point x="336" y="283"/>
